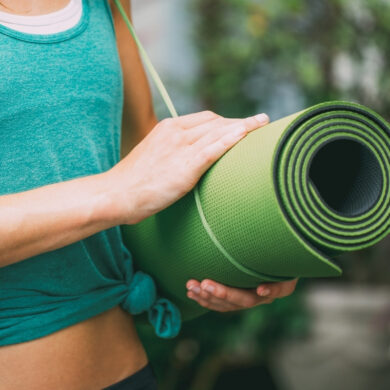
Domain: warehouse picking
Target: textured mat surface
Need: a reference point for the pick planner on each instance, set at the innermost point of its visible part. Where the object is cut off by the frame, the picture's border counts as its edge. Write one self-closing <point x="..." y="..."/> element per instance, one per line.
<point x="280" y="204"/>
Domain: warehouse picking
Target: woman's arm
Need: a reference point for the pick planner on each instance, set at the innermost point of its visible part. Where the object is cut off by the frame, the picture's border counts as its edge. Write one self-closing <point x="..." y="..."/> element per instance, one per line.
<point x="138" y="114"/>
<point x="169" y="161"/>
<point x="52" y="216"/>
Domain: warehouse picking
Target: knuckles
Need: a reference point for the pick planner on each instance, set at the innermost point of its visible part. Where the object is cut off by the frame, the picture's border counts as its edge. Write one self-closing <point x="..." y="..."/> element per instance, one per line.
<point x="206" y="156"/>
<point x="221" y="293"/>
<point x="165" y="123"/>
<point x="210" y="114"/>
<point x="205" y="304"/>
<point x="177" y="137"/>
<point x="249" y="302"/>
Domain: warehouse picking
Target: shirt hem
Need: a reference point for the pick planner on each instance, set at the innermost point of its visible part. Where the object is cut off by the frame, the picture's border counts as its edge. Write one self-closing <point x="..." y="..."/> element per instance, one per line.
<point x="61" y="323"/>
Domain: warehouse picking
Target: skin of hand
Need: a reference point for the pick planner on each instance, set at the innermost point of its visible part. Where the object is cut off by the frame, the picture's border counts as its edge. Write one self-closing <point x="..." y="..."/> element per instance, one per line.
<point x="218" y="297"/>
<point x="170" y="160"/>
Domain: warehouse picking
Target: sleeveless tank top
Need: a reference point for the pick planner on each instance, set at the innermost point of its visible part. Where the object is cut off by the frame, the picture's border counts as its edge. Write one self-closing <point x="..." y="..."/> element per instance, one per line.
<point x="61" y="107"/>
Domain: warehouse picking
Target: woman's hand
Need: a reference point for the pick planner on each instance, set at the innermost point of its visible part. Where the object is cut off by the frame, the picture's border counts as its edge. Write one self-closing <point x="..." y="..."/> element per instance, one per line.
<point x="216" y="296"/>
<point x="170" y="160"/>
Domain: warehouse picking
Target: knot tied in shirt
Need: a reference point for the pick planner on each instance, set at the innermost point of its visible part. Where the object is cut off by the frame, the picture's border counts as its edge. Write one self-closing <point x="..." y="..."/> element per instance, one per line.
<point x="142" y="297"/>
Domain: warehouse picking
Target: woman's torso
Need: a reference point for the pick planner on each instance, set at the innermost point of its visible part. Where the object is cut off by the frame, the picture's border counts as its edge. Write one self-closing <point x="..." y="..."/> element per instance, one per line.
<point x="92" y="353"/>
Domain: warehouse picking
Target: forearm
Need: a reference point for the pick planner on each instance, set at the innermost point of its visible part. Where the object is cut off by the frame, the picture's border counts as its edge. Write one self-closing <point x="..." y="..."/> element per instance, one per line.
<point x="57" y="215"/>
<point x="53" y="216"/>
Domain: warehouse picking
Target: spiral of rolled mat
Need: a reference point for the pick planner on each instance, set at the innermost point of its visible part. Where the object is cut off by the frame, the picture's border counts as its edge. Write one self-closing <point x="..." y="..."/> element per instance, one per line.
<point x="279" y="205"/>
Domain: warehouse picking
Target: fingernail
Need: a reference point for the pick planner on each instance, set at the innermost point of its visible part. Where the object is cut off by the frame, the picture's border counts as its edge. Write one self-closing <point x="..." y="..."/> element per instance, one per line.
<point x="265" y="292"/>
<point x="262" y="118"/>
<point x="195" y="289"/>
<point x="209" y="288"/>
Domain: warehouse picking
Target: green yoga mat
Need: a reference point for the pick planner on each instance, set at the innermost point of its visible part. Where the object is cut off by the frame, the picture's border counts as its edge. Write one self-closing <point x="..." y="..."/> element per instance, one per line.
<point x="282" y="203"/>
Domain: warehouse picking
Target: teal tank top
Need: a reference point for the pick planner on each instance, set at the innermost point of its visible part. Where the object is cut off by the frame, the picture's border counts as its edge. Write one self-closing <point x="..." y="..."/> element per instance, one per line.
<point x="61" y="107"/>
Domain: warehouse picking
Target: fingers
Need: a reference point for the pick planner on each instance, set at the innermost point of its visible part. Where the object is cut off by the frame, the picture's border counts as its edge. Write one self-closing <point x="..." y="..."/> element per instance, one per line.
<point x="208" y="301"/>
<point x="216" y="143"/>
<point x="213" y="131"/>
<point x="210" y="127"/>
<point x="218" y="297"/>
<point x="195" y="119"/>
<point x="277" y="290"/>
<point x="209" y="154"/>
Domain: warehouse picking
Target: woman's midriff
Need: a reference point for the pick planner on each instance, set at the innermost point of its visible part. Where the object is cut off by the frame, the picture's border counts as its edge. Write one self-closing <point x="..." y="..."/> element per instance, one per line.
<point x="90" y="355"/>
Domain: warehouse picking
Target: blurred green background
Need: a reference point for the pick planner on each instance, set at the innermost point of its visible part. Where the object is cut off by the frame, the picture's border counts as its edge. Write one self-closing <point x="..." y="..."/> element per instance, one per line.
<point x="238" y="58"/>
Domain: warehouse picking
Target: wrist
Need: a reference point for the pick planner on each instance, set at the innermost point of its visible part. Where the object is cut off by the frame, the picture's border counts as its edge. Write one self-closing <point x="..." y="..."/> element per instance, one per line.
<point x="106" y="204"/>
<point x="117" y="204"/>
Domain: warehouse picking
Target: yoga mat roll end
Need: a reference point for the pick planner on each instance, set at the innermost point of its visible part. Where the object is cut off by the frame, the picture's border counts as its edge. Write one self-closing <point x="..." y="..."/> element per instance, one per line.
<point x="281" y="204"/>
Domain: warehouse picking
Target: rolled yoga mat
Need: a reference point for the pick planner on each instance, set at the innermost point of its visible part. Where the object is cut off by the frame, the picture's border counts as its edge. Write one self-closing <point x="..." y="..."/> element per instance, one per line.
<point x="279" y="205"/>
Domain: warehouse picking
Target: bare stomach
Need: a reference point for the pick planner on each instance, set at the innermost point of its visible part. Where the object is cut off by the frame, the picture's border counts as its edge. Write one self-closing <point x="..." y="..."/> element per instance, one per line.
<point x="90" y="355"/>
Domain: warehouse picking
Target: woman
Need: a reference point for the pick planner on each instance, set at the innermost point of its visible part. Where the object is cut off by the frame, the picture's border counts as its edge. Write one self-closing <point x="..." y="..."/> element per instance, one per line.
<point x="64" y="194"/>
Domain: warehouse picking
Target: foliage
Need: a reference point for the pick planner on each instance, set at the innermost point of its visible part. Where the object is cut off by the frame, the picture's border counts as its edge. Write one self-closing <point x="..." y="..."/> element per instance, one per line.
<point x="321" y="50"/>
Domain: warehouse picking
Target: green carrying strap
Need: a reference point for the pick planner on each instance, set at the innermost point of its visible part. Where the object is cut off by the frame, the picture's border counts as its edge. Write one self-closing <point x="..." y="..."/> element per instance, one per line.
<point x="165" y="96"/>
<point x="153" y="73"/>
